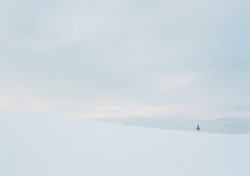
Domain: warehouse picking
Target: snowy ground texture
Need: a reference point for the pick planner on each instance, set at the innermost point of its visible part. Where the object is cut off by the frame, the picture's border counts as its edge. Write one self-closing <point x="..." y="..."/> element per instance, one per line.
<point x="65" y="147"/>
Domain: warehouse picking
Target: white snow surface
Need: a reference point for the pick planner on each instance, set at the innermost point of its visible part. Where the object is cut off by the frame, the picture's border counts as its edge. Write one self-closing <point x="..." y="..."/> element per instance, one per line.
<point x="73" y="147"/>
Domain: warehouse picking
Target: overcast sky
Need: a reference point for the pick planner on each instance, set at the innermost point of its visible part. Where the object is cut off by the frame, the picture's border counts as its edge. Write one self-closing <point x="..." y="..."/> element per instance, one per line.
<point x="130" y="58"/>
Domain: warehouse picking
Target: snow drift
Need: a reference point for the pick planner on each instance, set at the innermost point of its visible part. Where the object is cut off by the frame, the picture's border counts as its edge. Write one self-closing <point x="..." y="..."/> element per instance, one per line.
<point x="65" y="147"/>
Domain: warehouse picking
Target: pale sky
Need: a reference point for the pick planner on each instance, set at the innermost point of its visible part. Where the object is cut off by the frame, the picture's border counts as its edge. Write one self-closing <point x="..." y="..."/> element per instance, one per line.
<point x="130" y="58"/>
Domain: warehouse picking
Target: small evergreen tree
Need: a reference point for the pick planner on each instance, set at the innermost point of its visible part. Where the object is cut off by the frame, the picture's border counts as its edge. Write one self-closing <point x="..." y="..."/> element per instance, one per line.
<point x="198" y="128"/>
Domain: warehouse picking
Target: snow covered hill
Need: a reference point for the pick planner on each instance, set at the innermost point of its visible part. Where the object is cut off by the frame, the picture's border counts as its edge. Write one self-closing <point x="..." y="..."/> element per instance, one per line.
<point x="37" y="146"/>
<point x="223" y="125"/>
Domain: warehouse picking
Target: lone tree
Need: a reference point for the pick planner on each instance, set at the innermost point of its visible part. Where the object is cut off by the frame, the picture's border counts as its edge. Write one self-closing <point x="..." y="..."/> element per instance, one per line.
<point x="198" y="128"/>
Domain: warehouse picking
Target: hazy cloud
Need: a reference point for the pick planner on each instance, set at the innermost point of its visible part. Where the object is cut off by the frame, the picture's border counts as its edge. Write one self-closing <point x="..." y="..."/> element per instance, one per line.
<point x="125" y="58"/>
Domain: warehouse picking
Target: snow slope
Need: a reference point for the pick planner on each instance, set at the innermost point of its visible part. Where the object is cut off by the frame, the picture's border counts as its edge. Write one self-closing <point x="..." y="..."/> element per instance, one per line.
<point x="223" y="125"/>
<point x="64" y="147"/>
